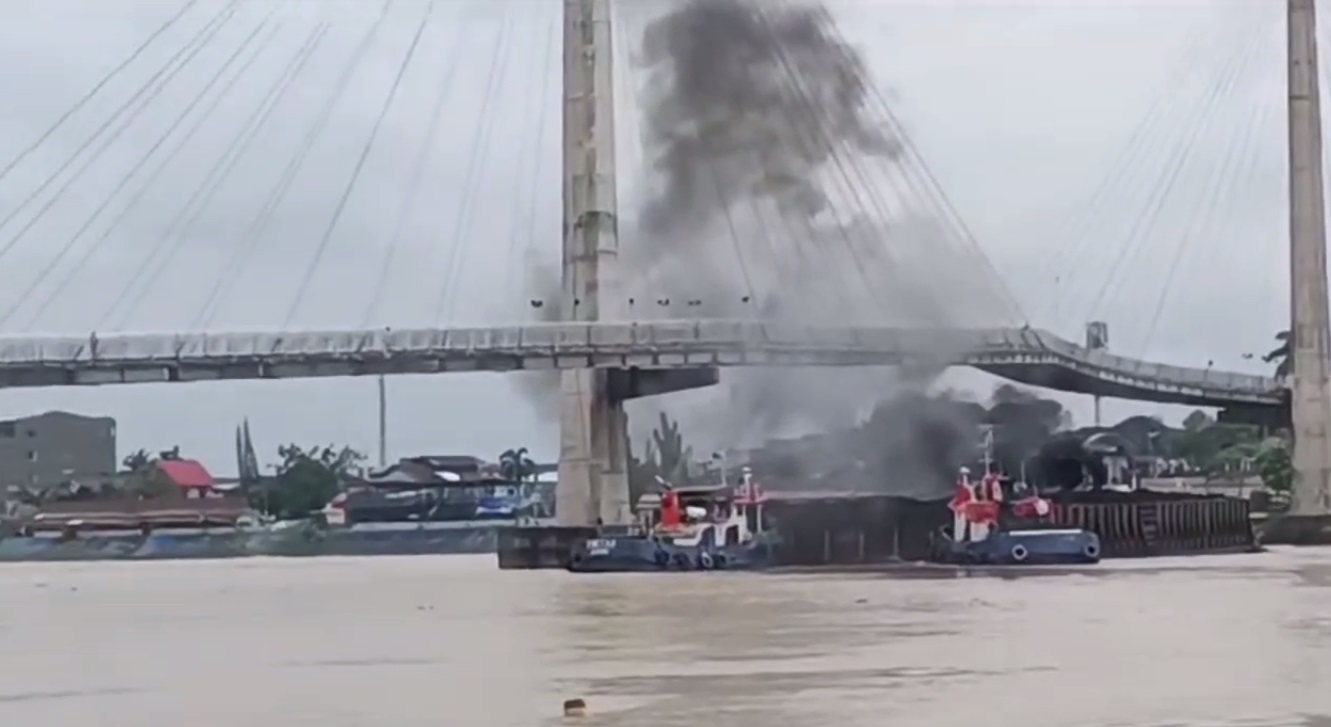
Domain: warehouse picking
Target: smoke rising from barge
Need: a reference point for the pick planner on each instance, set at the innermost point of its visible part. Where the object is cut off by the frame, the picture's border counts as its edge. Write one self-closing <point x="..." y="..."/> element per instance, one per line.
<point x="764" y="198"/>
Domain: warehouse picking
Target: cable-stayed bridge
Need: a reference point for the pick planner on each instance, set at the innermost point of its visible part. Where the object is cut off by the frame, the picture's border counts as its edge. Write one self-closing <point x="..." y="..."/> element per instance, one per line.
<point x="292" y="165"/>
<point x="1027" y="355"/>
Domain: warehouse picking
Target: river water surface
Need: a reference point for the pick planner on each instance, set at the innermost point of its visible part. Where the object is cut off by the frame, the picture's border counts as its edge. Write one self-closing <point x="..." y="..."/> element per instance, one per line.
<point x="1216" y="641"/>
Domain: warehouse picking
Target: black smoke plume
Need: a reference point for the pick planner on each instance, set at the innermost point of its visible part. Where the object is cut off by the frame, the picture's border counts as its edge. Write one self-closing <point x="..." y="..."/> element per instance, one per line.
<point x="748" y="101"/>
<point x="758" y="132"/>
<point x="922" y="460"/>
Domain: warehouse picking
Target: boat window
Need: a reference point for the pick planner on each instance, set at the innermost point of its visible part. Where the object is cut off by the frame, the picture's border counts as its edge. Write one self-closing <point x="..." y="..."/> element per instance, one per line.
<point x="732" y="535"/>
<point x="707" y="539"/>
<point x="751" y="518"/>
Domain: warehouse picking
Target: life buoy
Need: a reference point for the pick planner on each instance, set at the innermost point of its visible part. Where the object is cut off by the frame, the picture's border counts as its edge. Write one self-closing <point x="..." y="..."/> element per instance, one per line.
<point x="662" y="558"/>
<point x="719" y="561"/>
<point x="680" y="560"/>
<point x="1092" y="550"/>
<point x="705" y="560"/>
<point x="1019" y="553"/>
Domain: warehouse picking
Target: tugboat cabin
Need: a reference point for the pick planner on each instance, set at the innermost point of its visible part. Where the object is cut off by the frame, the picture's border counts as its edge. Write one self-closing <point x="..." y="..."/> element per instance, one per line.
<point x="715" y="516"/>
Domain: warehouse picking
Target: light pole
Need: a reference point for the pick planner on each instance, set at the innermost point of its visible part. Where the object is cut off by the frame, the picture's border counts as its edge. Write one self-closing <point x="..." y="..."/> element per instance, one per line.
<point x="383" y="422"/>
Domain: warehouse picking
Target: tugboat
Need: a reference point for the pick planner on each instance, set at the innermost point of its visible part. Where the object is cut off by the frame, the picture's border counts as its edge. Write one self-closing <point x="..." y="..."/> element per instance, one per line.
<point x="686" y="529"/>
<point x="987" y="531"/>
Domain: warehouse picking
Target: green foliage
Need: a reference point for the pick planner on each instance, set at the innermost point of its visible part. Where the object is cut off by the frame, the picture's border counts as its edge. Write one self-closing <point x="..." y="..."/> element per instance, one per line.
<point x="306" y="480"/>
<point x="1280" y="355"/>
<point x="1275" y="467"/>
<point x="1218" y="448"/>
<point x="672" y="456"/>
<point x="1197" y="421"/>
<point x="666" y="457"/>
<point x="516" y="466"/>
<point x="144" y="479"/>
<point x="152" y="483"/>
<point x="138" y="461"/>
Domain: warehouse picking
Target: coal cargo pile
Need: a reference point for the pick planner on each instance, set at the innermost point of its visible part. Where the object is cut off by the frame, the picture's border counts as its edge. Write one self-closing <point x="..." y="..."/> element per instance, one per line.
<point x="1101" y="497"/>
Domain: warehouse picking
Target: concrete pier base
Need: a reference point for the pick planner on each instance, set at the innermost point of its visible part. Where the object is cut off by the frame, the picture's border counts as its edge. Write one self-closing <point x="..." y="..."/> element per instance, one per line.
<point x="1295" y="530"/>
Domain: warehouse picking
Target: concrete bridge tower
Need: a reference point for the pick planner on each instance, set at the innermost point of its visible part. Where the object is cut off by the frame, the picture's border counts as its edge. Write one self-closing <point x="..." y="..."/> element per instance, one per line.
<point x="1310" y="331"/>
<point x="593" y="463"/>
<point x="593" y="455"/>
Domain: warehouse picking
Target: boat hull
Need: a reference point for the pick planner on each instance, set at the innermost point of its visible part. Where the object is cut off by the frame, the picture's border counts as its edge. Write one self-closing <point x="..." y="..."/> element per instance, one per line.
<point x="1026" y="547"/>
<point x="643" y="554"/>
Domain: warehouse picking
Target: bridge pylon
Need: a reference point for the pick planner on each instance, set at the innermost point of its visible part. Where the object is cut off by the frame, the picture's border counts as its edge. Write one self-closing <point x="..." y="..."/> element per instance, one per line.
<point x="1310" y="324"/>
<point x="593" y="454"/>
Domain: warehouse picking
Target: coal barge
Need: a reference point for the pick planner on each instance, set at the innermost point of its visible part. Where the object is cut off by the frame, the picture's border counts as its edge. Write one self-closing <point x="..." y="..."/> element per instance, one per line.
<point x="822" y="529"/>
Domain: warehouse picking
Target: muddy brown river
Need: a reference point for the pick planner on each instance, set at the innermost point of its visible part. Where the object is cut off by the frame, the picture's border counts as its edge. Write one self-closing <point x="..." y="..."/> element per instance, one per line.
<point x="1218" y="641"/>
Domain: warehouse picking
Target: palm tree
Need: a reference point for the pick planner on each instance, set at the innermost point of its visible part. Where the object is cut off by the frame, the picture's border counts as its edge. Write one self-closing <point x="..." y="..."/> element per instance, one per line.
<point x="1280" y="356"/>
<point x="137" y="461"/>
<point x="515" y="465"/>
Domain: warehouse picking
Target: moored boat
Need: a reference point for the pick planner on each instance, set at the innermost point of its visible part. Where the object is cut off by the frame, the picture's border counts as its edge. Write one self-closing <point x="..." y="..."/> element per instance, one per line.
<point x="986" y="530"/>
<point x="686" y="529"/>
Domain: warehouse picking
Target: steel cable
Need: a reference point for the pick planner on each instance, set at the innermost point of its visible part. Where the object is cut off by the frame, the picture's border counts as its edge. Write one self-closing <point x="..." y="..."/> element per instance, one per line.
<point x="1162" y="190"/>
<point x="360" y="161"/>
<point x="277" y="194"/>
<point x="152" y="88"/>
<point x="143" y="160"/>
<point x="479" y="144"/>
<point x="230" y="157"/>
<point x="96" y="89"/>
<point x="421" y="161"/>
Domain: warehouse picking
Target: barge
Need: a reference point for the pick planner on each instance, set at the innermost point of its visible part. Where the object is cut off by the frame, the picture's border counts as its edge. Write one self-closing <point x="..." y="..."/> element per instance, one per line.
<point x="823" y="528"/>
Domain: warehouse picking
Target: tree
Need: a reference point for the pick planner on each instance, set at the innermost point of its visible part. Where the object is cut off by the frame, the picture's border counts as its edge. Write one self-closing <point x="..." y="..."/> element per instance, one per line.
<point x="516" y="466"/>
<point x="1280" y="355"/>
<point x="1274" y="465"/>
<point x="666" y="457"/>
<point x="151" y="483"/>
<point x="307" y="479"/>
<point x="137" y="461"/>
<point x="1197" y="421"/>
<point x="145" y="479"/>
<point x="672" y="456"/>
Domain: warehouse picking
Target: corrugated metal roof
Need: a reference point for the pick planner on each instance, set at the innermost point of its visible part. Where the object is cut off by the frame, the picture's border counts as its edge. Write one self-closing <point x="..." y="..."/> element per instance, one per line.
<point x="186" y="472"/>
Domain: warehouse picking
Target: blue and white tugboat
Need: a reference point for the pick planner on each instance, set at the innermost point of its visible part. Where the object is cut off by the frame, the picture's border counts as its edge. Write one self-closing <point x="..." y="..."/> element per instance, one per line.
<point x="987" y="531"/>
<point x="686" y="529"/>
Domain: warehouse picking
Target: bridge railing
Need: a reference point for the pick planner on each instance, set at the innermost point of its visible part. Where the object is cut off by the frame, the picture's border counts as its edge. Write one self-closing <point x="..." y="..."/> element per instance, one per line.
<point x="950" y="344"/>
<point x="1119" y="365"/>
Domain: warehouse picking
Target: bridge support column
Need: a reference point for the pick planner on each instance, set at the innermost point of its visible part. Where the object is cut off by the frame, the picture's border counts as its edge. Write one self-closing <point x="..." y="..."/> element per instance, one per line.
<point x="593" y="462"/>
<point x="1310" y="329"/>
<point x="593" y="456"/>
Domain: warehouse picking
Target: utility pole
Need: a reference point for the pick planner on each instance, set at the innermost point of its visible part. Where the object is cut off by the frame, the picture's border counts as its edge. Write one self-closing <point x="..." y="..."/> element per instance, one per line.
<point x="593" y="459"/>
<point x="1310" y="331"/>
<point x="383" y="423"/>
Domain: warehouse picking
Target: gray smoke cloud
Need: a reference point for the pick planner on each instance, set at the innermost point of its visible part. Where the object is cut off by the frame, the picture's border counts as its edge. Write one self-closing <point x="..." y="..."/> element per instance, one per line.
<point x="770" y="194"/>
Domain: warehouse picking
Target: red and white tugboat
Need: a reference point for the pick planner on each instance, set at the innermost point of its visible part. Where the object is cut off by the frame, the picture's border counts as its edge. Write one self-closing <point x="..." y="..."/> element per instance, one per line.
<point x="696" y="528"/>
<point x="982" y="531"/>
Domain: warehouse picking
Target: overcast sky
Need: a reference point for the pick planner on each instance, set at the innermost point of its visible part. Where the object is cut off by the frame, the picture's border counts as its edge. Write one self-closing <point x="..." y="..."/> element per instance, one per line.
<point x="1022" y="111"/>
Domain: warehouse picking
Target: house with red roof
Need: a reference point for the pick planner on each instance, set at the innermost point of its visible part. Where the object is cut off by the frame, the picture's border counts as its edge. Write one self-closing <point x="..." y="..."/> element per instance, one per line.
<point x="189" y="476"/>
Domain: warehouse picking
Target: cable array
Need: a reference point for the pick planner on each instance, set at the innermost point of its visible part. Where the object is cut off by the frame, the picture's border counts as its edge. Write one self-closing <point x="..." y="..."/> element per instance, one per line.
<point x="869" y="238"/>
<point x="1162" y="163"/>
<point x="774" y="249"/>
<point x="156" y="174"/>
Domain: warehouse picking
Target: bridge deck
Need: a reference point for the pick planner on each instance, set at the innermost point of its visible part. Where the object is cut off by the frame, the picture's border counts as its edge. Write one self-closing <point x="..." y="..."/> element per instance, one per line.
<point x="1027" y="355"/>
